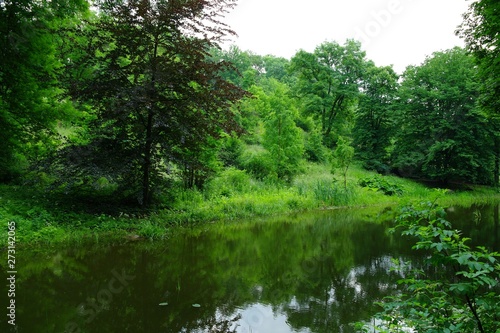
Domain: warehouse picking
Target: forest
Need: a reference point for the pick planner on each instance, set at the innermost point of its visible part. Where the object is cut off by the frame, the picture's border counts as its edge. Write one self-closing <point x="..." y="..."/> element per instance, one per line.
<point x="135" y="104"/>
<point x="123" y="121"/>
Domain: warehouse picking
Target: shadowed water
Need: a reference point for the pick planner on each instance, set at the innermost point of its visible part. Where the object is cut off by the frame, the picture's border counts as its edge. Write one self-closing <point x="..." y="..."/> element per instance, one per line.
<point x="308" y="273"/>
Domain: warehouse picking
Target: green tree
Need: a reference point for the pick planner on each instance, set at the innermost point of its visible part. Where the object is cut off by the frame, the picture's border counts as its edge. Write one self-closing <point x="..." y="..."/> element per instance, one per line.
<point x="328" y="82"/>
<point x="158" y="98"/>
<point x="441" y="134"/>
<point x="343" y="156"/>
<point x="374" y="124"/>
<point x="31" y="101"/>
<point x="247" y="67"/>
<point x="282" y="138"/>
<point x="480" y="31"/>
<point x="277" y="68"/>
<point x="244" y="66"/>
<point x="314" y="149"/>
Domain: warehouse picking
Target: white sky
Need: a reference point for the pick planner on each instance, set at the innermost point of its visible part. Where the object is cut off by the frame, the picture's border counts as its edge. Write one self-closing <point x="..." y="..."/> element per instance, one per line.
<point x="397" y="32"/>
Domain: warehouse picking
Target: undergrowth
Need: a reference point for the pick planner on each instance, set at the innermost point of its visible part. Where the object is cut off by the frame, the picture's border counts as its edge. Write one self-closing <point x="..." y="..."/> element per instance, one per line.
<point x="42" y="218"/>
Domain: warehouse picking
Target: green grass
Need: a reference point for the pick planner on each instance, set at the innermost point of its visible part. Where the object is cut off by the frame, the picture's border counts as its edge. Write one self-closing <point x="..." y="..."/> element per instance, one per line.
<point x="46" y="219"/>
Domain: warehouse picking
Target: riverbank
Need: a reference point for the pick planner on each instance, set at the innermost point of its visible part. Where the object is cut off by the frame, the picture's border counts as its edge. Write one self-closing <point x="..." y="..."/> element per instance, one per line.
<point x="46" y="219"/>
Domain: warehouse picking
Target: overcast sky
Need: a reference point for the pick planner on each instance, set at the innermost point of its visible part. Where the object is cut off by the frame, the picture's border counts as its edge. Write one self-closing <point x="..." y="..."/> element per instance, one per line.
<point x="397" y="32"/>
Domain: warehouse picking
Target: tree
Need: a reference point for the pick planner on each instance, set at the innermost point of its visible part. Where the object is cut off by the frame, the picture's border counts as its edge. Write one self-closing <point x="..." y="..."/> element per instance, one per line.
<point x="244" y="65"/>
<point x="157" y="97"/>
<point x="374" y="124"/>
<point x="248" y="68"/>
<point x="277" y="68"/>
<point x="342" y="158"/>
<point x="328" y="81"/>
<point x="282" y="138"/>
<point x="31" y="102"/>
<point x="441" y="133"/>
<point x="480" y="31"/>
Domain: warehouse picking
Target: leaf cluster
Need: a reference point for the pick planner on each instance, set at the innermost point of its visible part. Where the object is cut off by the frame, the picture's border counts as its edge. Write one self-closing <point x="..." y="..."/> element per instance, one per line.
<point x="379" y="183"/>
<point x="457" y="291"/>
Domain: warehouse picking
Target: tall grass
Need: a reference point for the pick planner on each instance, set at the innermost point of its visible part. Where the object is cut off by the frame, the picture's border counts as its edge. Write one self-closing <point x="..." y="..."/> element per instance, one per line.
<point x="233" y="194"/>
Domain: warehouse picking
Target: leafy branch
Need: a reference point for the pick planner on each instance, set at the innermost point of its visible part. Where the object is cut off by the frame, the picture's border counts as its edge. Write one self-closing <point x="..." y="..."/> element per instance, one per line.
<point x="457" y="291"/>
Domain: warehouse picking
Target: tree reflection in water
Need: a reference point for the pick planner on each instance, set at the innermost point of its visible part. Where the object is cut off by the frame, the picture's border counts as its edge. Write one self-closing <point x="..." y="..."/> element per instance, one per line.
<point x="310" y="273"/>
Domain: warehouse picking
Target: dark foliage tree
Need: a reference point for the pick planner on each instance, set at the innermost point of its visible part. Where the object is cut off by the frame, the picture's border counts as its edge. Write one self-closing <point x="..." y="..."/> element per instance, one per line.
<point x="30" y="97"/>
<point x="374" y="124"/>
<point x="441" y="134"/>
<point x="480" y="31"/>
<point x="157" y="97"/>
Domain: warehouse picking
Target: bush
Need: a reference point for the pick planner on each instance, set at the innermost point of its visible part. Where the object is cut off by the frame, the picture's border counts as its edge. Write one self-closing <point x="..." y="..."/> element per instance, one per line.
<point x="377" y="166"/>
<point x="227" y="183"/>
<point x="230" y="152"/>
<point x="314" y="149"/>
<point x="462" y="293"/>
<point x="259" y="164"/>
<point x="379" y="183"/>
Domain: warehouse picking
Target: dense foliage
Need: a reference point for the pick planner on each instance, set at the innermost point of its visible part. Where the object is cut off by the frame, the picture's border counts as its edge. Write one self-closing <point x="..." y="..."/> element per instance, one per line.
<point x="156" y="97"/>
<point x="31" y="103"/>
<point x="456" y="292"/>
<point x="444" y="136"/>
<point x="375" y="122"/>
<point x="480" y="31"/>
<point x="134" y="100"/>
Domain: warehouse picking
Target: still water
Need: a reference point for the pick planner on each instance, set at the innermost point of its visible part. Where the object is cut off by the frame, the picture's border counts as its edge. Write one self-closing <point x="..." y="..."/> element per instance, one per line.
<point x="307" y="273"/>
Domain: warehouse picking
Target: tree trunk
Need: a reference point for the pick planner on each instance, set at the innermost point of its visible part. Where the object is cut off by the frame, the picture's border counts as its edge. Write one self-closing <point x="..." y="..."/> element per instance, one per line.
<point x="148" y="147"/>
<point x="496" y="221"/>
<point x="146" y="186"/>
<point x="496" y="173"/>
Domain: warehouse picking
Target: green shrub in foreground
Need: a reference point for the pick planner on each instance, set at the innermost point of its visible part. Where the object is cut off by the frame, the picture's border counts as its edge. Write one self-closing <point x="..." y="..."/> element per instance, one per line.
<point x="462" y="295"/>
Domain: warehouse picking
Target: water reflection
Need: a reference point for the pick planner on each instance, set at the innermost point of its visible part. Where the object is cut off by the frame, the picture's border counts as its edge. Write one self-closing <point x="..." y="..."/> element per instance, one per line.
<point x="479" y="222"/>
<point x="312" y="273"/>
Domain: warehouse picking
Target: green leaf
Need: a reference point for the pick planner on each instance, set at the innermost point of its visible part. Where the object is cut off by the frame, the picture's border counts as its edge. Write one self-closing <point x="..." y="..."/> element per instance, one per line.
<point x="439" y="247"/>
<point x="196" y="305"/>
<point x="464" y="258"/>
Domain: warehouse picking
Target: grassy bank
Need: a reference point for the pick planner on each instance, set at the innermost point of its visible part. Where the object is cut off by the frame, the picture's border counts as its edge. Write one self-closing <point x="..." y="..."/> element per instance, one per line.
<point x="45" y="219"/>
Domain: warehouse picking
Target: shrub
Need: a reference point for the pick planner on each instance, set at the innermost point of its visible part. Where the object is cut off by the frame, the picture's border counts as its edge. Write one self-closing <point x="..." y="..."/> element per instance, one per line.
<point x="462" y="293"/>
<point x="230" y="152"/>
<point x="376" y="165"/>
<point x="314" y="149"/>
<point x="228" y="182"/>
<point x="380" y="183"/>
<point x="259" y="164"/>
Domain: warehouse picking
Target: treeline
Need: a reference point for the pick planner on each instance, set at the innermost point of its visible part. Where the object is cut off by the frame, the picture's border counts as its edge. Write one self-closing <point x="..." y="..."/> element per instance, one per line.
<point x="133" y="98"/>
<point x="427" y="123"/>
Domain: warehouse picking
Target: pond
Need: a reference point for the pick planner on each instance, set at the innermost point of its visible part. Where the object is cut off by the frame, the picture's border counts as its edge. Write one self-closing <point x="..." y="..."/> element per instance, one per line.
<point x="306" y="273"/>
